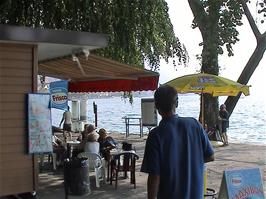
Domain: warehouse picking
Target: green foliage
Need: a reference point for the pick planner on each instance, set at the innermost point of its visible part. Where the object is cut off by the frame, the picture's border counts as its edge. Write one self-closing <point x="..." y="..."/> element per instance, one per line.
<point x="139" y="31"/>
<point x="223" y="17"/>
<point x="261" y="9"/>
<point x="129" y="96"/>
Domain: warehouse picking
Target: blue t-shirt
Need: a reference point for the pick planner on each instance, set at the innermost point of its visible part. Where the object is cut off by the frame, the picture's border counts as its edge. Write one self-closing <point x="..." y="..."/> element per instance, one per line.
<point x="175" y="150"/>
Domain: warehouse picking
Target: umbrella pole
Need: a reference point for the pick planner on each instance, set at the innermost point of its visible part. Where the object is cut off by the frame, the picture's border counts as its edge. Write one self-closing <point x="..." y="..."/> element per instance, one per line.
<point x="202" y="110"/>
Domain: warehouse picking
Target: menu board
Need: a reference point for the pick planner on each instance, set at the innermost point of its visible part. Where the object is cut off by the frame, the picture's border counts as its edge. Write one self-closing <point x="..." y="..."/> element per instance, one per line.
<point x="148" y="112"/>
<point x="39" y="123"/>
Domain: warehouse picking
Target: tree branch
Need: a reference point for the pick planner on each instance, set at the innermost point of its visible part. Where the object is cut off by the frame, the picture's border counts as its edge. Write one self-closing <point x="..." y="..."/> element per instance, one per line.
<point x="199" y="14"/>
<point x="251" y="21"/>
<point x="247" y="72"/>
<point x="264" y="35"/>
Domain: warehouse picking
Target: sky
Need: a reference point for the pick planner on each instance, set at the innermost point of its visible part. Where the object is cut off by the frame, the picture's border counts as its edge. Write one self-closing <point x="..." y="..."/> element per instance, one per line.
<point x="231" y="67"/>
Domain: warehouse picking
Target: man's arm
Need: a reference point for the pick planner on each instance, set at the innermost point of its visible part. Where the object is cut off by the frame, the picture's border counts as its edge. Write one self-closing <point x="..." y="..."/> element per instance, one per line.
<point x="153" y="186"/>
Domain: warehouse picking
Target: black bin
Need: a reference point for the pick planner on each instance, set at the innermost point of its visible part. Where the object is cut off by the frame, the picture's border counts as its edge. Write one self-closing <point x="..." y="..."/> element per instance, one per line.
<point x="76" y="176"/>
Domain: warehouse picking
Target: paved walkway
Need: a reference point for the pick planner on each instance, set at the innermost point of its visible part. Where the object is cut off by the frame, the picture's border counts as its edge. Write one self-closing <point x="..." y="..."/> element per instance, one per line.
<point x="232" y="156"/>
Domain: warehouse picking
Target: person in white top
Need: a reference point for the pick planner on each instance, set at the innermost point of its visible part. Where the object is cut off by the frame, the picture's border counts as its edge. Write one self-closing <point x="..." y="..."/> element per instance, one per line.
<point x="67" y="122"/>
<point x="92" y="145"/>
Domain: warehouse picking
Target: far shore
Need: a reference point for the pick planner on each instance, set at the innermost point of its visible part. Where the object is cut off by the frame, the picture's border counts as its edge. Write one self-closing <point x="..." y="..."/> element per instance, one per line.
<point x="116" y="133"/>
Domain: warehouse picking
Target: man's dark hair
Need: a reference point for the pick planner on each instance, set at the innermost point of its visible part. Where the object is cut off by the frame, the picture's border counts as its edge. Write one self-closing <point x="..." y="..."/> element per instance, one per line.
<point x="165" y="98"/>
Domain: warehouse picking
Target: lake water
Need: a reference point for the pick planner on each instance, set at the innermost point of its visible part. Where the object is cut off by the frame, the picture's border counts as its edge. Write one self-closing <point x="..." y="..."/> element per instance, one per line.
<point x="247" y="122"/>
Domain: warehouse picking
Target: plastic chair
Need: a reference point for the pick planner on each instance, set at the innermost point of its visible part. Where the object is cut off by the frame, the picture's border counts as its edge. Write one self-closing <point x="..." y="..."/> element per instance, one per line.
<point x="96" y="163"/>
<point x="124" y="162"/>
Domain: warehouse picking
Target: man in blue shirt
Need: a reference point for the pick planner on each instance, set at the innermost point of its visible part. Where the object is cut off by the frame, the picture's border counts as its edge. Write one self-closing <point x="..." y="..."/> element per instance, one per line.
<point x="175" y="152"/>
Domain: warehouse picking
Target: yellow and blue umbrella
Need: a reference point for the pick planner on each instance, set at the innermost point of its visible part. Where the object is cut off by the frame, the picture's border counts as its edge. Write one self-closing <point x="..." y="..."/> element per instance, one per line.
<point x="208" y="83"/>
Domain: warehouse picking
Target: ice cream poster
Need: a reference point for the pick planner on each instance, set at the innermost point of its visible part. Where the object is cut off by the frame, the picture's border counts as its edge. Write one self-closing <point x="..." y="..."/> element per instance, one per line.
<point x="58" y="91"/>
<point x="39" y="123"/>
<point x="242" y="184"/>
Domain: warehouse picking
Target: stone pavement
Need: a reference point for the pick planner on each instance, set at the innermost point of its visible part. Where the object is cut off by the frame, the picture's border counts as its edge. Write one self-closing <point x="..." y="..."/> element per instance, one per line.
<point x="229" y="157"/>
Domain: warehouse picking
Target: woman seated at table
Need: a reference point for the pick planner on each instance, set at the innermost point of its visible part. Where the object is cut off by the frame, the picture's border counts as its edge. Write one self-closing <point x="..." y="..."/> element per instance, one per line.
<point x="107" y="143"/>
<point x="92" y="145"/>
<point x="88" y="129"/>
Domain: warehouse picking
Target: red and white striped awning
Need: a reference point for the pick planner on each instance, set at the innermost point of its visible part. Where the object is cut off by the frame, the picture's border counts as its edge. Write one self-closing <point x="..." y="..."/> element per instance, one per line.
<point x="98" y="74"/>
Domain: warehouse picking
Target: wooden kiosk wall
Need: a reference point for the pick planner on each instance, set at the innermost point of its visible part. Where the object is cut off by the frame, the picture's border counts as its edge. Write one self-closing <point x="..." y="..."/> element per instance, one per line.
<point x="18" y="76"/>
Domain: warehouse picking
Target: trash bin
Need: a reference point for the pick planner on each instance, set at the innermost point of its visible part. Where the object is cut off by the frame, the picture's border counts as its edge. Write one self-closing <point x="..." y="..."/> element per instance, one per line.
<point x="76" y="176"/>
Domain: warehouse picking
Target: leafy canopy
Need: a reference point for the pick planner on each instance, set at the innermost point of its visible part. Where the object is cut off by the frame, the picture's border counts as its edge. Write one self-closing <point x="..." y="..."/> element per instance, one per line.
<point x="140" y="31"/>
<point x="223" y="17"/>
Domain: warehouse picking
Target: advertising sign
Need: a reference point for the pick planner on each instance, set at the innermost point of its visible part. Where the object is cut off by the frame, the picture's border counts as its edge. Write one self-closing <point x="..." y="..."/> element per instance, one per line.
<point x="242" y="184"/>
<point x="58" y="91"/>
<point x="148" y="112"/>
<point x="39" y="123"/>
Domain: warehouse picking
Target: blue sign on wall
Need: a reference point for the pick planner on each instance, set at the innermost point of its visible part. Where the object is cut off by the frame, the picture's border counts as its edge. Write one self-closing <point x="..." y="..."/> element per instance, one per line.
<point x="242" y="184"/>
<point x="58" y="91"/>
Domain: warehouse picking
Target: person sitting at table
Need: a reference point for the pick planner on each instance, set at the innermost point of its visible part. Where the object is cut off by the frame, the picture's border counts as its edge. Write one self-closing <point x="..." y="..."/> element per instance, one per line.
<point x="107" y="143"/>
<point x="59" y="150"/>
<point x="92" y="145"/>
<point x="88" y="129"/>
<point x="81" y="136"/>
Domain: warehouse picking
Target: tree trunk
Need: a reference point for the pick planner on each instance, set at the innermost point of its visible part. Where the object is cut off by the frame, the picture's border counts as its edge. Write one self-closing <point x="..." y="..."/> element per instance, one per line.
<point x="210" y="110"/>
<point x="210" y="65"/>
<point x="246" y="74"/>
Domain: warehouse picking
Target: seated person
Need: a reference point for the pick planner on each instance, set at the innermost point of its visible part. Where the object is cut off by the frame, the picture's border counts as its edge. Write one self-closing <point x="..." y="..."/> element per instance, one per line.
<point x="88" y="129"/>
<point x="59" y="150"/>
<point x="92" y="145"/>
<point x="107" y="143"/>
<point x="81" y="136"/>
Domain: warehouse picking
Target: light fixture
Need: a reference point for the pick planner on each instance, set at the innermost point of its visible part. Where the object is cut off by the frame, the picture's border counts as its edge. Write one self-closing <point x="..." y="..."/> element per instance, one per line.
<point x="86" y="53"/>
